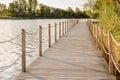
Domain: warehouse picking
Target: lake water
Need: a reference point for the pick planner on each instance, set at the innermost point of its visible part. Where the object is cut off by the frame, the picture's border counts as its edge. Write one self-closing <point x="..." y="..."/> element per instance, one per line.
<point x="10" y="52"/>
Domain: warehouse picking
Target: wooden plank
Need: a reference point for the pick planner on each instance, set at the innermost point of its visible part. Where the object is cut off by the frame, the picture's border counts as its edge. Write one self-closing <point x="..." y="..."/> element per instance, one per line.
<point x="73" y="57"/>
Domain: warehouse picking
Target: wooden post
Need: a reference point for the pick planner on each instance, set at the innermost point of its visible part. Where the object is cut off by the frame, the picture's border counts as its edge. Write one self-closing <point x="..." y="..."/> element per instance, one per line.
<point x="102" y="42"/>
<point x="71" y="25"/>
<point x="40" y="41"/>
<point x="77" y="21"/>
<point x="110" y="52"/>
<point x="93" y="30"/>
<point x="96" y="36"/>
<point x="115" y="73"/>
<point x="67" y="26"/>
<point x="23" y="51"/>
<point x="55" y="32"/>
<point x="63" y="28"/>
<point x="49" y="35"/>
<point x="60" y="30"/>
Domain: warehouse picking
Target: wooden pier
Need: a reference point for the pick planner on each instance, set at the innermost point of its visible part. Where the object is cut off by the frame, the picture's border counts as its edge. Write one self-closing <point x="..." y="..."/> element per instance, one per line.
<point x="73" y="57"/>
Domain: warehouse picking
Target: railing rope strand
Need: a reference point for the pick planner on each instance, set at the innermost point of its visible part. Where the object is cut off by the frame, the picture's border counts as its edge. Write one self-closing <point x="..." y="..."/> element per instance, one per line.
<point x="106" y="47"/>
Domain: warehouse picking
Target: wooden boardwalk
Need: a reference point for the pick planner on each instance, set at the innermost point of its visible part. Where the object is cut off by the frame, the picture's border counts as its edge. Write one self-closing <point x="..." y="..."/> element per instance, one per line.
<point x="73" y="57"/>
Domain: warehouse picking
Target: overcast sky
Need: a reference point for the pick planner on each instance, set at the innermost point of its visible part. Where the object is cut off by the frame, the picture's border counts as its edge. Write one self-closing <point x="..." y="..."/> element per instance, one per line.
<point x="57" y="3"/>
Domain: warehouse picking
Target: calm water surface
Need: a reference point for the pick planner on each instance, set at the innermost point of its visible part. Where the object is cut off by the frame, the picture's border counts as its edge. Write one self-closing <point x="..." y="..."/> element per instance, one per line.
<point x="10" y="52"/>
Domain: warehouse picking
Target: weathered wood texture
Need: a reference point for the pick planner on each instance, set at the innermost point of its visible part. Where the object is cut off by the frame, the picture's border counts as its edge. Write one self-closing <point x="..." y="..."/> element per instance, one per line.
<point x="73" y="57"/>
<point x="23" y="51"/>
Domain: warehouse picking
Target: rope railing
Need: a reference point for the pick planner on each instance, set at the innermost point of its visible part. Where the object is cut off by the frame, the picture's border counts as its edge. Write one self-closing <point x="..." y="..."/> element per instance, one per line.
<point x="11" y="39"/>
<point x="32" y="33"/>
<point x="115" y="40"/>
<point x="108" y="46"/>
<point x="17" y="46"/>
<point x="37" y="41"/>
<point x="7" y="67"/>
<point x="45" y="29"/>
<point x="44" y="41"/>
<point x="32" y="49"/>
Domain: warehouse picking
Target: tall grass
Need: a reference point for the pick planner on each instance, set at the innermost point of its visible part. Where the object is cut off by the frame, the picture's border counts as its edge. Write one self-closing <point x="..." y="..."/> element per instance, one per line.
<point x="109" y="16"/>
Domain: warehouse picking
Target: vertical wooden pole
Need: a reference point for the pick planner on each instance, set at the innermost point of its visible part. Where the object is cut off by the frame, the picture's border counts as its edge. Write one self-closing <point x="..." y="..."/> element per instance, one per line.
<point x="63" y="28"/>
<point x="40" y="40"/>
<point x="93" y="29"/>
<point x="71" y="24"/>
<point x="55" y="32"/>
<point x="94" y="32"/>
<point x="102" y="42"/>
<point x="67" y="26"/>
<point x="23" y="51"/>
<point x="77" y="20"/>
<point x="60" y="30"/>
<point x="49" y="35"/>
<point x="96" y="35"/>
<point x="110" y="52"/>
<point x="115" y="73"/>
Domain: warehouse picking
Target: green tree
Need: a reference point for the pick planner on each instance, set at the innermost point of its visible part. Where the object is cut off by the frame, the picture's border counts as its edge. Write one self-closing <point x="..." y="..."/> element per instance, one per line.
<point x="47" y="12"/>
<point x="108" y="11"/>
<point x="11" y="9"/>
<point x="32" y="4"/>
<point x="42" y="7"/>
<point x="84" y="15"/>
<point x="78" y="12"/>
<point x="88" y="7"/>
<point x="23" y="6"/>
<point x="69" y="12"/>
<point x="57" y="13"/>
<point x="2" y="9"/>
<point x="17" y="9"/>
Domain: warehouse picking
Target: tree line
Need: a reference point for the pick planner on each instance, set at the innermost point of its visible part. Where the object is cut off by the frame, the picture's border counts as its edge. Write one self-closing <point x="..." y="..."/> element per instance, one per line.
<point x="33" y="9"/>
<point x="107" y="12"/>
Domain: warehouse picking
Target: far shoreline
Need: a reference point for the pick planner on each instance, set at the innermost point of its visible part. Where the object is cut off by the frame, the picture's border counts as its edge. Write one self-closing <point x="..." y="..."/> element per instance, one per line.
<point x="32" y="18"/>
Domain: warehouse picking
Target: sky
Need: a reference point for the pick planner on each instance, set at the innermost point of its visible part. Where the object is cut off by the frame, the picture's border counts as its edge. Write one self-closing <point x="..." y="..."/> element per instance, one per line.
<point x="64" y="4"/>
